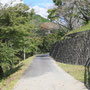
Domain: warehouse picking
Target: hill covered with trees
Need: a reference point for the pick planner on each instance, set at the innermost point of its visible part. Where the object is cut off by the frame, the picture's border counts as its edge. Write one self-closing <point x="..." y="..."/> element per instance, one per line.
<point x="41" y="19"/>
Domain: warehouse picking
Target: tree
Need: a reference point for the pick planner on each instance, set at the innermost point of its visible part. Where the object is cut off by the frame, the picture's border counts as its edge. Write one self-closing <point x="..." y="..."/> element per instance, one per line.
<point x="18" y="34"/>
<point x="32" y="13"/>
<point x="7" y="55"/>
<point x="64" y="14"/>
<point x="69" y="14"/>
<point x="83" y="9"/>
<point x="12" y="33"/>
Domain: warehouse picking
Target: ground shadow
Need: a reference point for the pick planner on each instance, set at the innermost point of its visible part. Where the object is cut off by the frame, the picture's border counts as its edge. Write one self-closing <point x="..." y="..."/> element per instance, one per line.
<point x="41" y="65"/>
<point x="42" y="55"/>
<point x="10" y="72"/>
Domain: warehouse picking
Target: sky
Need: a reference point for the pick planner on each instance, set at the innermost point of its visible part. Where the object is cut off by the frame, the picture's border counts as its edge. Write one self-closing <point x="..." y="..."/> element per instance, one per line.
<point x="9" y="1"/>
<point x="40" y="6"/>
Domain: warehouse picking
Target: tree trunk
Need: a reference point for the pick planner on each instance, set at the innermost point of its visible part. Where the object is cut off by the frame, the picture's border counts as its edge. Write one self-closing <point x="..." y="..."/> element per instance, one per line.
<point x="10" y="65"/>
<point x="1" y="72"/>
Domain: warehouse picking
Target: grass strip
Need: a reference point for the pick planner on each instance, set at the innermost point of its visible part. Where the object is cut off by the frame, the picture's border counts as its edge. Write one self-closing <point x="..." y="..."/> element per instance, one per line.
<point x="9" y="82"/>
<point x="83" y="28"/>
<point x="77" y="71"/>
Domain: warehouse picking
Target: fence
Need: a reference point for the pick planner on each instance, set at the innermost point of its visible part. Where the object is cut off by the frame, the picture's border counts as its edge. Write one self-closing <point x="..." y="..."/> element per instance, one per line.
<point x="87" y="74"/>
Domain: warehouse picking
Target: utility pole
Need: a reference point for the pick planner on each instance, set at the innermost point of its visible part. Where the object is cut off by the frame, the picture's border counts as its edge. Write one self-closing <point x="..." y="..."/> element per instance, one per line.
<point x="24" y="54"/>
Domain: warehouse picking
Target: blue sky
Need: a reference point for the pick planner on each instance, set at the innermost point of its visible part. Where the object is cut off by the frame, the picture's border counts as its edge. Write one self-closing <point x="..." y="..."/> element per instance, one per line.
<point x="40" y="6"/>
<point x="40" y="3"/>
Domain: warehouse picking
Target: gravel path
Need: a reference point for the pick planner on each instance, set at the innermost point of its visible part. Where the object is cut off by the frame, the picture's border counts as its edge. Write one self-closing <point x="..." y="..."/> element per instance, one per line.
<point x="44" y="74"/>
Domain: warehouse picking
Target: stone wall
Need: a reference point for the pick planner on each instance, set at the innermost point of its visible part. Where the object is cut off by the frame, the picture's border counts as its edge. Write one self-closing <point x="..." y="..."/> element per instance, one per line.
<point x="75" y="49"/>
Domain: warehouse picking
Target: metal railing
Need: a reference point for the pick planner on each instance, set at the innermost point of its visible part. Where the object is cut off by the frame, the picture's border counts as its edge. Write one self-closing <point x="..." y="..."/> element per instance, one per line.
<point x="87" y="74"/>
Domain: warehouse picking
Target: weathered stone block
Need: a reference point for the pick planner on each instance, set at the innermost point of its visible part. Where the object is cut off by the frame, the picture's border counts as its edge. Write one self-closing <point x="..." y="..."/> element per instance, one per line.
<point x="73" y="50"/>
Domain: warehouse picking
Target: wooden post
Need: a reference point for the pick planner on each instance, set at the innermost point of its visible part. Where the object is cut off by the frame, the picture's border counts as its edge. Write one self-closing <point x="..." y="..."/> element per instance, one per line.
<point x="24" y="54"/>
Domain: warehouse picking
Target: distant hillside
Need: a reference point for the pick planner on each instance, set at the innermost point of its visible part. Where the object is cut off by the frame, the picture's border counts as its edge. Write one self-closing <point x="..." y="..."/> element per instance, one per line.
<point x="41" y="19"/>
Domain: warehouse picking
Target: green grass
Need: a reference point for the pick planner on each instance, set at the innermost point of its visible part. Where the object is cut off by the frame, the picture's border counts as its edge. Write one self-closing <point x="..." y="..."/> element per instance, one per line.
<point x="75" y="70"/>
<point x="9" y="82"/>
<point x="83" y="28"/>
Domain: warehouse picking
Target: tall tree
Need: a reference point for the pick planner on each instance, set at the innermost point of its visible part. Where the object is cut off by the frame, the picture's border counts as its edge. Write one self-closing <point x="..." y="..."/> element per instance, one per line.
<point x="64" y="14"/>
<point x="83" y="9"/>
<point x="69" y="13"/>
<point x="12" y="33"/>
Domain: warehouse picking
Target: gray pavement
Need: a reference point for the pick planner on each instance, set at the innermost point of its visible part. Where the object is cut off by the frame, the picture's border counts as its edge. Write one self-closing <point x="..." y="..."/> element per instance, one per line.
<point x="44" y="74"/>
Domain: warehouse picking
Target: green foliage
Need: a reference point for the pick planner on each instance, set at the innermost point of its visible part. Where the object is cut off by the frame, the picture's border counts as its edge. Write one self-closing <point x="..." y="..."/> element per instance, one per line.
<point x="5" y="53"/>
<point x="50" y="39"/>
<point x="47" y="42"/>
<point x="84" y="10"/>
<point x="20" y="33"/>
<point x="41" y="19"/>
<point x="58" y="2"/>
<point x="16" y="33"/>
<point x="21" y="8"/>
<point x="70" y="14"/>
<point x="15" y="74"/>
<point x="83" y="28"/>
<point x="32" y="13"/>
<point x="52" y="14"/>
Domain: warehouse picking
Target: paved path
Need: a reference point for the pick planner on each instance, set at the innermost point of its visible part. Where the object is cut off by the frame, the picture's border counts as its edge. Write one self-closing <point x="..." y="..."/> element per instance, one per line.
<point x="44" y="74"/>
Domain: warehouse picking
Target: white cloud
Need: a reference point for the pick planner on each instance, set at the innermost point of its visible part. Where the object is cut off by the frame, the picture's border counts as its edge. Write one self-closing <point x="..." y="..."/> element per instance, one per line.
<point x="41" y="11"/>
<point x="9" y="1"/>
<point x="47" y="5"/>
